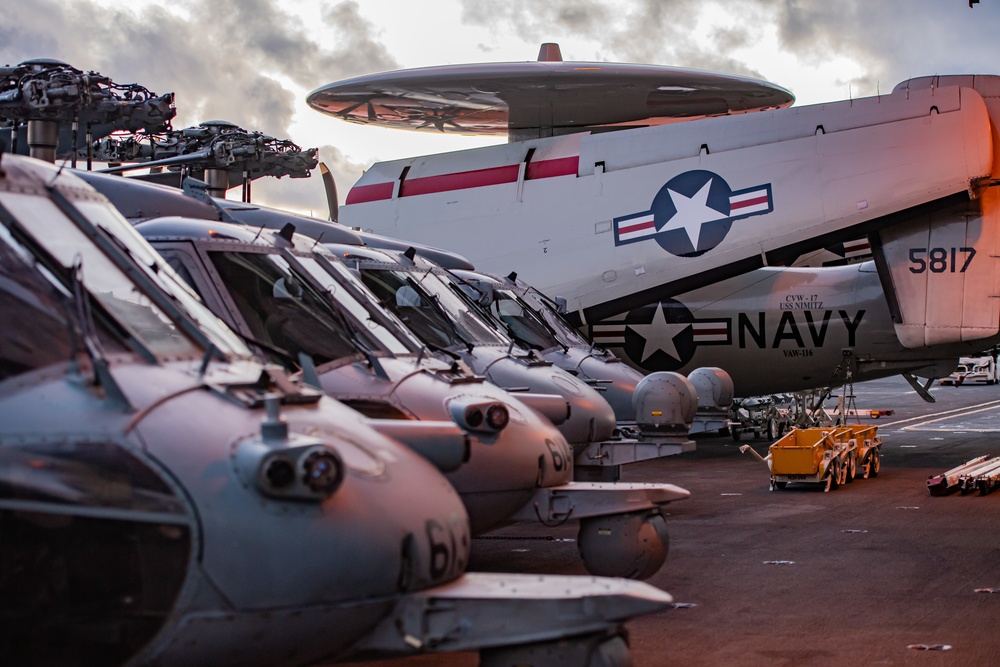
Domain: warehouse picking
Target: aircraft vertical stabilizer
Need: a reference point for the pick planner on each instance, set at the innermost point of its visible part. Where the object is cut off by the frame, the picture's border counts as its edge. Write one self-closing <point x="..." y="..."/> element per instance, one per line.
<point x="940" y="271"/>
<point x="941" y="275"/>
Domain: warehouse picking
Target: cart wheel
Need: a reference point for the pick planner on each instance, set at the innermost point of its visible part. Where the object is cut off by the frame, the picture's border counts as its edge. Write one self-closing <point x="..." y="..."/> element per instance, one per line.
<point x="734" y="433"/>
<point x="780" y="485"/>
<point x="833" y="478"/>
<point x="829" y="482"/>
<point x="866" y="467"/>
<point x="772" y="429"/>
<point x="842" y="473"/>
<point x="852" y="467"/>
<point x="876" y="463"/>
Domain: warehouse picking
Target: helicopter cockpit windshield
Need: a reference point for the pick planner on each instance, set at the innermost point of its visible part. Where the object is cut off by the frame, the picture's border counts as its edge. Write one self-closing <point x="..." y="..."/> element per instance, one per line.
<point x="549" y="311"/>
<point x="285" y="302"/>
<point x="522" y="323"/>
<point x="430" y="308"/>
<point x="39" y="222"/>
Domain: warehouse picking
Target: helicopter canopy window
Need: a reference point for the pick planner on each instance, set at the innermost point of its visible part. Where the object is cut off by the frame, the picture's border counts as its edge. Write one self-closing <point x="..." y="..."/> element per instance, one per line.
<point x="523" y="323"/>
<point x="106" y="283"/>
<point x="41" y="307"/>
<point x="108" y="219"/>
<point x="283" y="310"/>
<point x="548" y="310"/>
<point x="433" y="312"/>
<point x="361" y="312"/>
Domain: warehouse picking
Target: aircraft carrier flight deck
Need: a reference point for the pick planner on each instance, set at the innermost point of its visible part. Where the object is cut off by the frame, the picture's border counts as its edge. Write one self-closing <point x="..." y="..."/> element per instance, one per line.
<point x="876" y="572"/>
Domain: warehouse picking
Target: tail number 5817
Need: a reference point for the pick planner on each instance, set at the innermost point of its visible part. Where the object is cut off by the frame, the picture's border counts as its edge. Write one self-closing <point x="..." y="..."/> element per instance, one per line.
<point x="941" y="260"/>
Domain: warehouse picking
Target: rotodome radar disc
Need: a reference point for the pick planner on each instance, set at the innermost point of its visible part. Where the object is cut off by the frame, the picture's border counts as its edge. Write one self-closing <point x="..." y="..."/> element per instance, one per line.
<point x="543" y="97"/>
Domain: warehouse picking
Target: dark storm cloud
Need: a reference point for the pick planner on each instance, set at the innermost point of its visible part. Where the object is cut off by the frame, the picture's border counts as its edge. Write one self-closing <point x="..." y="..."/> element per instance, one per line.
<point x="648" y="31"/>
<point x="223" y="58"/>
<point x="890" y="40"/>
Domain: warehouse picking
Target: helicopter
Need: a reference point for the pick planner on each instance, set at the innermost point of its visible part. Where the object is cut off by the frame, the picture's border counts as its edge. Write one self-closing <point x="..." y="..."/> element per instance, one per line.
<point x="164" y="498"/>
<point x="293" y="299"/>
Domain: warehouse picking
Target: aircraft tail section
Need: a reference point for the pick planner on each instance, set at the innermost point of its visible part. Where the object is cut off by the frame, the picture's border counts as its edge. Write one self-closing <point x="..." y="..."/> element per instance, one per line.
<point x="939" y="269"/>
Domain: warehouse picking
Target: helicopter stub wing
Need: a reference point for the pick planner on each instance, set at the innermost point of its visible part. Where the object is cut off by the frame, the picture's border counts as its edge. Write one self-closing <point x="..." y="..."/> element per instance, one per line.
<point x="483" y="610"/>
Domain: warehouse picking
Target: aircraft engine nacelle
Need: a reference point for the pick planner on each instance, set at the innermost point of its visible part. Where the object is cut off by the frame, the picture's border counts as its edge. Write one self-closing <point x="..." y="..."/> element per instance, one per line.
<point x="665" y="402"/>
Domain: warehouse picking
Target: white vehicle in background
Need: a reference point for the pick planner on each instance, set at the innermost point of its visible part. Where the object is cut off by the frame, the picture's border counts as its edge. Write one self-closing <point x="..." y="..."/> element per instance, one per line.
<point x="973" y="369"/>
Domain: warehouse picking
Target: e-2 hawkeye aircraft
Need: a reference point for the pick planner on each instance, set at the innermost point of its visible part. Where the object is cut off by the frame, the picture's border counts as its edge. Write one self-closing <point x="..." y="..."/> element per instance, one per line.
<point x="164" y="499"/>
<point x="617" y="218"/>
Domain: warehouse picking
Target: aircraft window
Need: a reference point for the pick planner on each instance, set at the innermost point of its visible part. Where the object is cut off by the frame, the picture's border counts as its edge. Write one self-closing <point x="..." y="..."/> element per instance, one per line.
<point x="469" y="324"/>
<point x="523" y="324"/>
<point x="32" y="297"/>
<point x="177" y="264"/>
<point x="356" y="309"/>
<point x="282" y="310"/>
<point x="431" y="310"/>
<point x="422" y="319"/>
<point x="371" y="302"/>
<point x="108" y="285"/>
<point x="116" y="573"/>
<point x="108" y="218"/>
<point x="547" y="310"/>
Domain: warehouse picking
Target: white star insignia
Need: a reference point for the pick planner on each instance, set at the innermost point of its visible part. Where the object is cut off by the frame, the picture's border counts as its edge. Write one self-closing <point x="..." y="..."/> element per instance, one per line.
<point x="692" y="213"/>
<point x="659" y="335"/>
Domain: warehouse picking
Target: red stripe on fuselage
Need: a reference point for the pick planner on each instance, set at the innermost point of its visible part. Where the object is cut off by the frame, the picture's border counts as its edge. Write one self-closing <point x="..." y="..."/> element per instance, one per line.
<point x="464" y="180"/>
<point x="360" y="194"/>
<point x="563" y="166"/>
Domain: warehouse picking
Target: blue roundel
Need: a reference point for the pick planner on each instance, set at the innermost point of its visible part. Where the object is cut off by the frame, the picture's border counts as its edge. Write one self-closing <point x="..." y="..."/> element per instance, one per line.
<point x="691" y="213"/>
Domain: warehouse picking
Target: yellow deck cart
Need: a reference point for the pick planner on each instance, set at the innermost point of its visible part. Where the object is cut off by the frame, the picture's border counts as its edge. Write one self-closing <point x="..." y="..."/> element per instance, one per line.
<point x="827" y="456"/>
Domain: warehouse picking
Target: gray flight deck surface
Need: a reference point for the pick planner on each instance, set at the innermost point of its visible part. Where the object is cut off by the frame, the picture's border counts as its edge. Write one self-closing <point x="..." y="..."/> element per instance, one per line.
<point x="801" y="577"/>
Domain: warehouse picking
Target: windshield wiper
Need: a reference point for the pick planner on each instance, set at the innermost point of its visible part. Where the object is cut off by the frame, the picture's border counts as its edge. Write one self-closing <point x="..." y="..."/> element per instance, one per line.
<point x="84" y="317"/>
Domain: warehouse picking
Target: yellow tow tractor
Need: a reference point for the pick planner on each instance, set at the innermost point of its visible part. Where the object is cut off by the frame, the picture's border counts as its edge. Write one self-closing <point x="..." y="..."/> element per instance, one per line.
<point x="827" y="456"/>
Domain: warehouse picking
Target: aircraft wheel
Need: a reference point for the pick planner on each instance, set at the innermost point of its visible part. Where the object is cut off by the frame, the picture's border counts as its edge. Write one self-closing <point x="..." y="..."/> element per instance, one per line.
<point x="876" y="464"/>
<point x="734" y="432"/>
<point x="632" y="545"/>
<point x="772" y="429"/>
<point x="590" y="651"/>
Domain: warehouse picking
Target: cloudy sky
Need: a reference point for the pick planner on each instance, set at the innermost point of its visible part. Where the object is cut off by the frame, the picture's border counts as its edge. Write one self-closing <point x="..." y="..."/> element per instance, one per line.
<point x="252" y="62"/>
